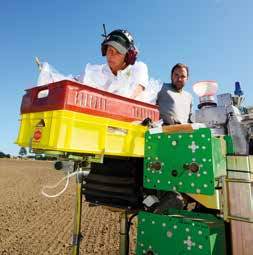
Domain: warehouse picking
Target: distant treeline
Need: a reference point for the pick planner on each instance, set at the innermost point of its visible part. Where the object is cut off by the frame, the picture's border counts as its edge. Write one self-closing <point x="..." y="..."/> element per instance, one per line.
<point x="3" y="155"/>
<point x="41" y="157"/>
<point x="35" y="157"/>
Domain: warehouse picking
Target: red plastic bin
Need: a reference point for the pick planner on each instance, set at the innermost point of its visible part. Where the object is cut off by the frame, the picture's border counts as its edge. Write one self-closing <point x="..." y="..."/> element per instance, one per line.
<point x="73" y="96"/>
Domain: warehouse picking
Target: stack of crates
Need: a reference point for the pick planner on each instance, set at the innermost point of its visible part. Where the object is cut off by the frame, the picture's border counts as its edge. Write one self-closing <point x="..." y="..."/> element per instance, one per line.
<point x="240" y="202"/>
<point x="71" y="117"/>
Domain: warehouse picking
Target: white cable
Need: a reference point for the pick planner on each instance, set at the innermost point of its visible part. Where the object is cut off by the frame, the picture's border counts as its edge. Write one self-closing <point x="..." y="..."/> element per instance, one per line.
<point x="54" y="186"/>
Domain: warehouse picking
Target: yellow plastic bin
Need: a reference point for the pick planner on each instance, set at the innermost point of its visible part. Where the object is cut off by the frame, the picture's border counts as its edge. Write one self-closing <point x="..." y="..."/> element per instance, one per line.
<point x="68" y="131"/>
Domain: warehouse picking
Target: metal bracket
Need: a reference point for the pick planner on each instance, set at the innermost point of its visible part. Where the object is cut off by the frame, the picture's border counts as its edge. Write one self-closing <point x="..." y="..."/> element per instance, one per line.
<point x="76" y="239"/>
<point x="98" y="158"/>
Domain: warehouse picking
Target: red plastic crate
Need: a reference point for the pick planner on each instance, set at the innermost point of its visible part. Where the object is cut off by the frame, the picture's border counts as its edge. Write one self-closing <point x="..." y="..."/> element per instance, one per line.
<point x="73" y="96"/>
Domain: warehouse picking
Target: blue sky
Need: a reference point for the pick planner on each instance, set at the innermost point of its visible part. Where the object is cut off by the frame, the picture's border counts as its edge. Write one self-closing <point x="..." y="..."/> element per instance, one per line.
<point x="213" y="37"/>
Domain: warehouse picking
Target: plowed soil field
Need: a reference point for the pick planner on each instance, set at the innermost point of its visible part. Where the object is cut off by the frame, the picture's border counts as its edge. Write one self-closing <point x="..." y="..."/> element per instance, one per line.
<point x="31" y="223"/>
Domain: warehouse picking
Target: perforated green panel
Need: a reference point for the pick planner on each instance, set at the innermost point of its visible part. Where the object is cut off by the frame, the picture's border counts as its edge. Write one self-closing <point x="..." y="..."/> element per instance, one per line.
<point x="186" y="162"/>
<point x="192" y="234"/>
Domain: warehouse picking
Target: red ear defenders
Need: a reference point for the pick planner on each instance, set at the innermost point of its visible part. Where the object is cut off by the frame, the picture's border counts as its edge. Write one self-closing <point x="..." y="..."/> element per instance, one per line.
<point x="132" y="52"/>
<point x="131" y="56"/>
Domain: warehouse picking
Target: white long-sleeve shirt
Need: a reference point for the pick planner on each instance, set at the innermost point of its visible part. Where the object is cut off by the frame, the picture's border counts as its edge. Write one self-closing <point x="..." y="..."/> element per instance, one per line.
<point x="124" y="83"/>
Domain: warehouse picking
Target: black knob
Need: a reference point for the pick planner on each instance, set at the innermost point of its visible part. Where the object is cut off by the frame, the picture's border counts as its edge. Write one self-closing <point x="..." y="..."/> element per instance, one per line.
<point x="58" y="165"/>
<point x="156" y="165"/>
<point x="174" y="173"/>
<point x="146" y="122"/>
<point x="194" y="167"/>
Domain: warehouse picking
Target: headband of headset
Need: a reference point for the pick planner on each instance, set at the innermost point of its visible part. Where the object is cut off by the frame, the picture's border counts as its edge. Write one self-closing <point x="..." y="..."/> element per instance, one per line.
<point x="122" y="40"/>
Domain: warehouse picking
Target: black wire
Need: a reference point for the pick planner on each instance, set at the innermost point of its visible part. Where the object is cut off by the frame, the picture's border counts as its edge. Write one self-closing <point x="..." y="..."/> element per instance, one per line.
<point x="129" y="225"/>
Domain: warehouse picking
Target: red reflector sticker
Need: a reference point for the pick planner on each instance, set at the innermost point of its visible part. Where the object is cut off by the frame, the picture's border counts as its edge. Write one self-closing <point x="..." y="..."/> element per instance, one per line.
<point x="37" y="135"/>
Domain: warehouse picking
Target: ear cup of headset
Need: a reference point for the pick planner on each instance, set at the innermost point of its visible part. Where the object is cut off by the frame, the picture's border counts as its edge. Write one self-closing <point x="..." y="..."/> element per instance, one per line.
<point x="131" y="56"/>
<point x="103" y="49"/>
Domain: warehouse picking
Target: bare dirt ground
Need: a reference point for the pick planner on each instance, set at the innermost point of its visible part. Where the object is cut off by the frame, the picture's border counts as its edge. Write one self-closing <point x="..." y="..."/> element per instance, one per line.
<point x="31" y="223"/>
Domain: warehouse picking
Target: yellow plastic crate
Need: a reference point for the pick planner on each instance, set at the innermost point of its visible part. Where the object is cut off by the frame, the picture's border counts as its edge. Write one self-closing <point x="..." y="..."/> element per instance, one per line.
<point x="68" y="131"/>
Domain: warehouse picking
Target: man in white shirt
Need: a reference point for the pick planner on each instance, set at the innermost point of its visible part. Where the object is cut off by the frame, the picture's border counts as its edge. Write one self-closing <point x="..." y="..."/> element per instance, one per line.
<point x="122" y="74"/>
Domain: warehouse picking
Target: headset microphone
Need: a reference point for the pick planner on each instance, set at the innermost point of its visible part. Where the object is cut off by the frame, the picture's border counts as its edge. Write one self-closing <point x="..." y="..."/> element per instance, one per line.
<point x="104" y="34"/>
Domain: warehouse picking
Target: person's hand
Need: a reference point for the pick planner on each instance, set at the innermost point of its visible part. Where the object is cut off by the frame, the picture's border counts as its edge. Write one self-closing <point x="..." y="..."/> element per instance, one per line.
<point x="137" y="91"/>
<point x="175" y="121"/>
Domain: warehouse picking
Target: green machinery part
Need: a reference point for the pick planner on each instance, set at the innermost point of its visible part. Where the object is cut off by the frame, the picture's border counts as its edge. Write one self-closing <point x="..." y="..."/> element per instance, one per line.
<point x="180" y="232"/>
<point x="184" y="162"/>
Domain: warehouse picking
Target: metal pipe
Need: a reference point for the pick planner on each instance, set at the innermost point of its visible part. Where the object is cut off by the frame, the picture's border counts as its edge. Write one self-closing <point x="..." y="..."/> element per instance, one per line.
<point x="78" y="213"/>
<point x="238" y="180"/>
<point x="124" y="241"/>
<point x="249" y="220"/>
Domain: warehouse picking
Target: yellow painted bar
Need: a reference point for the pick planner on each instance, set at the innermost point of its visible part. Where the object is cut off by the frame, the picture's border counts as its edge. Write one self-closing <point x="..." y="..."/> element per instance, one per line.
<point x="211" y="202"/>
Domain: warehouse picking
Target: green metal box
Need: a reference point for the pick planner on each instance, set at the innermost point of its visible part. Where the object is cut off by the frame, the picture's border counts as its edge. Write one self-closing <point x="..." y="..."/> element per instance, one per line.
<point x="180" y="232"/>
<point x="185" y="162"/>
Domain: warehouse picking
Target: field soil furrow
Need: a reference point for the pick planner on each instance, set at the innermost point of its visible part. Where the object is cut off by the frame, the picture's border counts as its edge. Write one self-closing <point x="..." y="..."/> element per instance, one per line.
<point x="33" y="224"/>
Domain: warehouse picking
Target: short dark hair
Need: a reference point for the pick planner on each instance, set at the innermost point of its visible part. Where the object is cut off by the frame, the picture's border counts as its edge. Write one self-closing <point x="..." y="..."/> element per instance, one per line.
<point x="180" y="65"/>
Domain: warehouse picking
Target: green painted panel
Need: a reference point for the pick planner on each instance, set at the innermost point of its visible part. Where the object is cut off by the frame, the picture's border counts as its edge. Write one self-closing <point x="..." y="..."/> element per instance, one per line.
<point x="178" y="234"/>
<point x="185" y="162"/>
<point x="230" y="145"/>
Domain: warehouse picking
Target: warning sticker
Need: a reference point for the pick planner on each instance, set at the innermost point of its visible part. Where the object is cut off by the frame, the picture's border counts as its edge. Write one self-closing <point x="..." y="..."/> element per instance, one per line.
<point x="37" y="134"/>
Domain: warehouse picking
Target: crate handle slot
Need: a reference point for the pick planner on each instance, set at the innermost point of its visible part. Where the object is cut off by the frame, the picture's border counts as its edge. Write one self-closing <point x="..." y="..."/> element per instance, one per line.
<point x="43" y="93"/>
<point x="41" y="123"/>
<point x="117" y="130"/>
